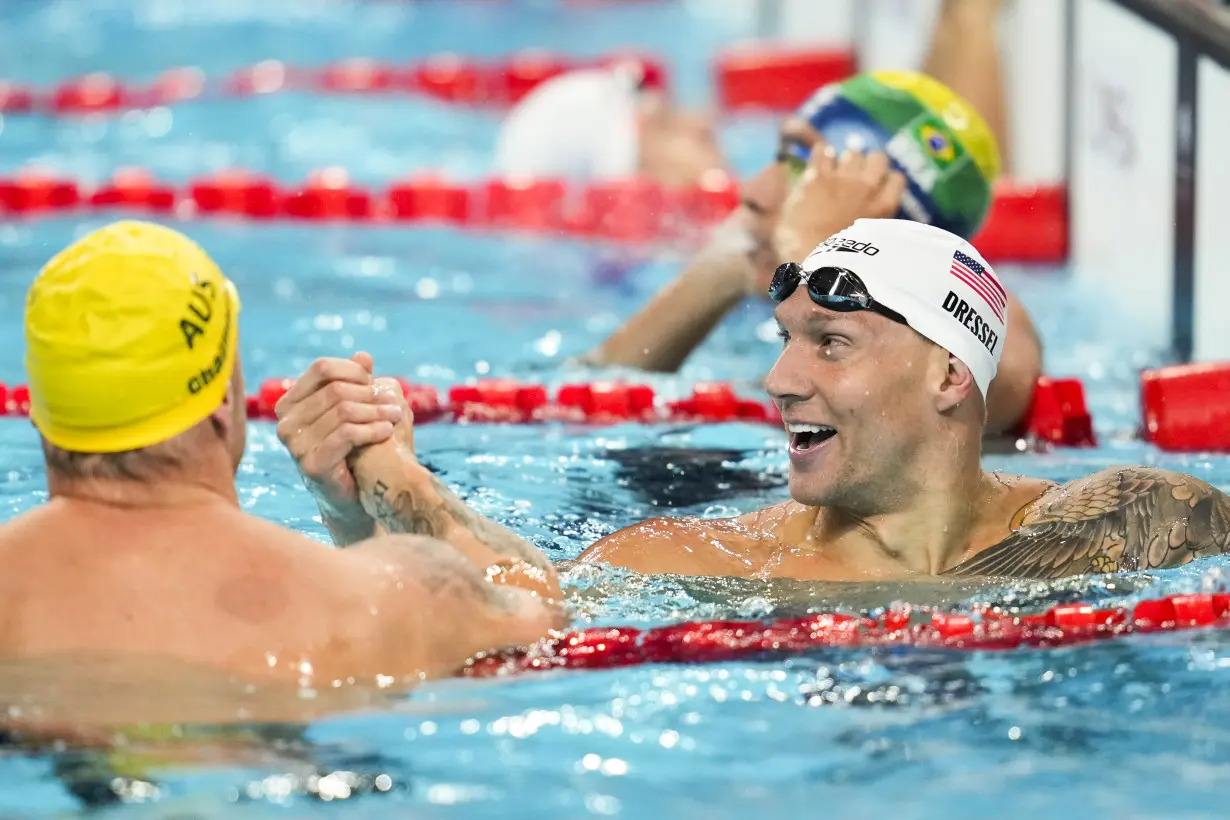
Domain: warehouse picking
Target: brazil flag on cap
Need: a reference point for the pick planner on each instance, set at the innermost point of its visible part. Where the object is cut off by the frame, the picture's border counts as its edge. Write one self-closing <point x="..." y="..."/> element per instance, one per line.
<point x="943" y="146"/>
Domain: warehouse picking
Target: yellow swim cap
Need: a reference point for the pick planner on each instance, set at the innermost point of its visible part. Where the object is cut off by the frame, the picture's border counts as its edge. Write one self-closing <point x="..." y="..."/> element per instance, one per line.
<point x="130" y="339"/>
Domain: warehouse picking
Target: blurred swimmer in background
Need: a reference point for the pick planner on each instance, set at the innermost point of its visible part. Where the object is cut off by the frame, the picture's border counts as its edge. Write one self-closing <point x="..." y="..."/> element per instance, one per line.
<point x="616" y="121"/>
<point x="912" y="145"/>
<point x="606" y="123"/>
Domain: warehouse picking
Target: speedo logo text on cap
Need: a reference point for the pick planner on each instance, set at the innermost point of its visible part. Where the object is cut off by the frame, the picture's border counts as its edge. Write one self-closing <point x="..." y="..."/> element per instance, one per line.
<point x="846" y="245"/>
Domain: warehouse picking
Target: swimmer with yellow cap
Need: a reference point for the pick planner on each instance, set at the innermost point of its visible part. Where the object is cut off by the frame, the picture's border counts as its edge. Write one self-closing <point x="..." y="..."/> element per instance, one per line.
<point x="136" y="391"/>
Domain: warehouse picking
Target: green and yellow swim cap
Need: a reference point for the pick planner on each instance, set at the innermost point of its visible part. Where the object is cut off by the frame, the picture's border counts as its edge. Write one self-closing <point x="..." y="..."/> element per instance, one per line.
<point x="945" y="148"/>
<point x="131" y="336"/>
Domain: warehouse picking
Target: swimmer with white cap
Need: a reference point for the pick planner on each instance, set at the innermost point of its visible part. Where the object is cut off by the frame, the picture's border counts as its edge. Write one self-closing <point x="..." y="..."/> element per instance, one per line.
<point x="892" y="334"/>
<point x="605" y="123"/>
<point x="777" y="222"/>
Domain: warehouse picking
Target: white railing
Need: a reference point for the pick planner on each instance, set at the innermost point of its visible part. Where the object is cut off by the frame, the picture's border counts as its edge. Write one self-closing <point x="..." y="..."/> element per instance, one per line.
<point x="1149" y="182"/>
<point x="1128" y="101"/>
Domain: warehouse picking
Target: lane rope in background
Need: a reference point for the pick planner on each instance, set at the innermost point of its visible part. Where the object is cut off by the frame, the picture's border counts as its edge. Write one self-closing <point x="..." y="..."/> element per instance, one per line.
<point x="1026" y="224"/>
<point x="1057" y="415"/>
<point x="753" y="77"/>
<point x="1184" y="408"/>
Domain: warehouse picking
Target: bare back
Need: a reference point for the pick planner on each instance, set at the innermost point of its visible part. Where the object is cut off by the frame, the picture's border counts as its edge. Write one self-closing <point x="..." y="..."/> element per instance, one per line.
<point x="214" y="586"/>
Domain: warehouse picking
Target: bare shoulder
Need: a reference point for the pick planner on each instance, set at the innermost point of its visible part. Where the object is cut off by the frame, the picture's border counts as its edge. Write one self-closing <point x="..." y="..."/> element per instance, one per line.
<point x="685" y="545"/>
<point x="421" y="566"/>
<point x="430" y="608"/>
<point x="1118" y="519"/>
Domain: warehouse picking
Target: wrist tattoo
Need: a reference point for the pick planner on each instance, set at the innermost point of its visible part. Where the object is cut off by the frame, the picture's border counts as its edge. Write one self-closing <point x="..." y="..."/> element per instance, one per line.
<point x="435" y="513"/>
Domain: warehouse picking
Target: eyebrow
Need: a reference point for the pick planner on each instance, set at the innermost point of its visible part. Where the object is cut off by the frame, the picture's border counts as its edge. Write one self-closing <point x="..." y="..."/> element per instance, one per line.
<point x="822" y="314"/>
<point x="823" y="317"/>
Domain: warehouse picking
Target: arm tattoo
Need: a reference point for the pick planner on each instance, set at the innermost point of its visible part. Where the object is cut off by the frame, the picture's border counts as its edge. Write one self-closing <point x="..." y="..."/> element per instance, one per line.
<point x="447" y="574"/>
<point x="1125" y="519"/>
<point x="401" y="511"/>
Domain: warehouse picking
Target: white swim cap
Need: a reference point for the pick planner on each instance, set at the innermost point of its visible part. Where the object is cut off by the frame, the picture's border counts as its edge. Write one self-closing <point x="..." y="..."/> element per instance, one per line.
<point x="580" y="125"/>
<point x="935" y="279"/>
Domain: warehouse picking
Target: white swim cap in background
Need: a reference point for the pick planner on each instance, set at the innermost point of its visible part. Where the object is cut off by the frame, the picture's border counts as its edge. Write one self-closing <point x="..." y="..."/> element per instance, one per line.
<point x="580" y="125"/>
<point x="935" y="279"/>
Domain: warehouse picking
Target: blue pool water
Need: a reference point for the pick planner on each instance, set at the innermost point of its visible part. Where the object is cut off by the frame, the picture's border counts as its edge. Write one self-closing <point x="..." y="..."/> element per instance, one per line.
<point x="1137" y="728"/>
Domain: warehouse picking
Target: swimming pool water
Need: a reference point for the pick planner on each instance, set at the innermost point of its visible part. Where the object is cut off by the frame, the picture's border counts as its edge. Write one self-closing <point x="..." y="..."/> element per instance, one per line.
<point x="1135" y="728"/>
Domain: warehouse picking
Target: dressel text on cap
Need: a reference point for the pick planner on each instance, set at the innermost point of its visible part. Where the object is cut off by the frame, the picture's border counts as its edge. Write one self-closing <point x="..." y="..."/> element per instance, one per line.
<point x="967" y="316"/>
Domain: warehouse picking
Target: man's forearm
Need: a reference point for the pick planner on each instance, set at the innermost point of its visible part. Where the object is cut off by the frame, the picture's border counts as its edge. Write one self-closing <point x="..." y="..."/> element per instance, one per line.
<point x="665" y="332"/>
<point x="346" y="530"/>
<point x="346" y="525"/>
<point x="680" y="316"/>
<point x="403" y="496"/>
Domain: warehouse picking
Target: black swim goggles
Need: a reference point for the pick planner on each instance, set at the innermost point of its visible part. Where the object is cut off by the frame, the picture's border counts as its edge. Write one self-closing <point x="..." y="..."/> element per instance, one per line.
<point x="833" y="288"/>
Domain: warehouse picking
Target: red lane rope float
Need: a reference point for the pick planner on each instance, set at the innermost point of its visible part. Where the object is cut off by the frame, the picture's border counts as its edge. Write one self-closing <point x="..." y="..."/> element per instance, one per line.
<point x="447" y="77"/>
<point x="756" y="76"/>
<point x="1026" y="224"/>
<point x="1186" y="408"/>
<point x="753" y="76"/>
<point x="776" y="78"/>
<point x="1060" y="418"/>
<point x="1058" y="414"/>
<point x="717" y="641"/>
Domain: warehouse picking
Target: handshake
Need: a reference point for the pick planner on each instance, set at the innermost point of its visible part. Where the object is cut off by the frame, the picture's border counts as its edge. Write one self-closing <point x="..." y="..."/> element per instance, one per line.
<point x="339" y="422"/>
<point x="352" y="437"/>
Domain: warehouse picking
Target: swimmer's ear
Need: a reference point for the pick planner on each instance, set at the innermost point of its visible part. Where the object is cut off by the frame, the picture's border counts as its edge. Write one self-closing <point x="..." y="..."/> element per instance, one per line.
<point x="234" y="407"/>
<point x="955" y="387"/>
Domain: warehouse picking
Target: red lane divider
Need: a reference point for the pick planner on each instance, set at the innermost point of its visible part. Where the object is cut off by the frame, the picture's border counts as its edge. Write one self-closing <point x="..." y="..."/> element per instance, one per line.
<point x="1186" y="408"/>
<point x="609" y="402"/>
<point x="511" y="402"/>
<point x="980" y="630"/>
<point x="1058" y="416"/>
<point x="756" y="76"/>
<point x="1026" y="224"/>
<point x="777" y="78"/>
<point x="448" y="77"/>
<point x="1058" y="413"/>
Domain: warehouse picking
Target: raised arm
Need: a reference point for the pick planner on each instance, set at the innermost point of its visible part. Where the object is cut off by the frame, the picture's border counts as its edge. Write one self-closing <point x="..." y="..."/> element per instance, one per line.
<point x="403" y="496"/>
<point x="329" y="412"/>
<point x="1120" y="519"/>
<point x="737" y="261"/>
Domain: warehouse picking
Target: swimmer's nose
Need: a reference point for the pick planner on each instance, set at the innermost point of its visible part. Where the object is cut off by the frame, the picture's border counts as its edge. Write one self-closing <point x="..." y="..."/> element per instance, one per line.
<point x="787" y="382"/>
